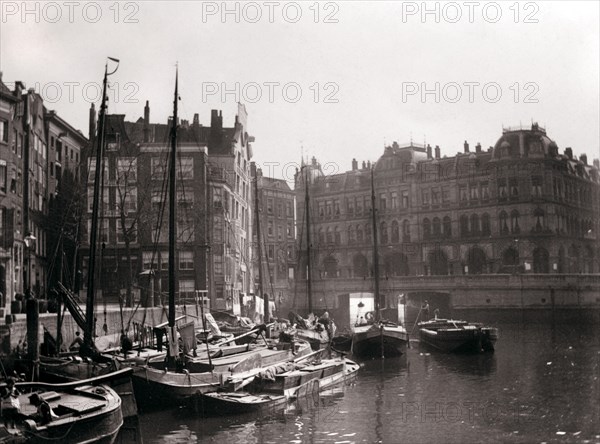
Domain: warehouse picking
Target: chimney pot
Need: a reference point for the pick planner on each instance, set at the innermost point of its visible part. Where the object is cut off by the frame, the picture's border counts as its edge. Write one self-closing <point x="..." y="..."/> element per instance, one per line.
<point x="466" y="146"/>
<point x="583" y="158"/>
<point x="569" y="153"/>
<point x="597" y="163"/>
<point x="437" y="151"/>
<point x="478" y="148"/>
<point x="429" y="151"/>
<point x="354" y="165"/>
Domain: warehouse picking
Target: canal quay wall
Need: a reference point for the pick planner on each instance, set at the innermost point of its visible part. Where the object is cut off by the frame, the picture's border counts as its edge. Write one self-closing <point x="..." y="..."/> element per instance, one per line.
<point x="505" y="297"/>
<point x="15" y="331"/>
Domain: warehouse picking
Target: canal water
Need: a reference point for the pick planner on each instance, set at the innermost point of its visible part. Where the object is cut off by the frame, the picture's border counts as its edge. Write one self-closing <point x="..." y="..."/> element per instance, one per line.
<point x="542" y="384"/>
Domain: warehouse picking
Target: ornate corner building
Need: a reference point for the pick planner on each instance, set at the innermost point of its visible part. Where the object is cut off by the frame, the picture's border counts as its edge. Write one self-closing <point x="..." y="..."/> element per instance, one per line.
<point x="518" y="208"/>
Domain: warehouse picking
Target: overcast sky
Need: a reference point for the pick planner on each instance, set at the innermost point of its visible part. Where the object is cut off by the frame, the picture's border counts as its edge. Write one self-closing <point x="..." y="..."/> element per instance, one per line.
<point x="365" y="64"/>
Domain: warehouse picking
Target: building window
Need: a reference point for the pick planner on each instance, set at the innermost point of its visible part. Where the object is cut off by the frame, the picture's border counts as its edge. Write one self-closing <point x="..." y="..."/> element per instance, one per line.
<point x="290" y="230"/>
<point x="3" y="131"/>
<point x="149" y="260"/>
<point x="536" y="186"/>
<point x="351" y="238"/>
<point x="445" y="195"/>
<point x="437" y="227"/>
<point x="359" y="234"/>
<point x="288" y="209"/>
<point x="269" y="205"/>
<point x="383" y="202"/>
<point x="359" y="205"/>
<point x="475" y="224"/>
<point x="425" y="197"/>
<point x="485" y="225"/>
<point x="514" y="188"/>
<point x="464" y="225"/>
<point x="279" y="233"/>
<point x="405" y="200"/>
<point x="394" y="200"/>
<point x="186" y="165"/>
<point x="474" y="192"/>
<point x="503" y="222"/>
<point x="462" y="193"/>
<point x="270" y="228"/>
<point x="447" y="226"/>
<point x="164" y="260"/>
<point x="435" y="196"/>
<point x="271" y="251"/>
<point x="157" y="168"/>
<point x="126" y="170"/>
<point x="426" y="228"/>
<point x="186" y="260"/>
<point x="187" y="289"/>
<point x="502" y="189"/>
<point x="395" y="232"/>
<point x="3" y="176"/>
<point x="384" y="233"/>
<point x="336" y="207"/>
<point x="337" y="236"/>
<point x="350" y="206"/>
<point x="485" y="191"/>
<point x="514" y="222"/>
<point x="129" y="231"/>
<point x="329" y="235"/>
<point x="539" y="219"/>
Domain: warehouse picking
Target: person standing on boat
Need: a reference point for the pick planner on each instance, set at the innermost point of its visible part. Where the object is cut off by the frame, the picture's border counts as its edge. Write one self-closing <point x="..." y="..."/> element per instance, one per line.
<point x="425" y="310"/>
<point x="436" y="313"/>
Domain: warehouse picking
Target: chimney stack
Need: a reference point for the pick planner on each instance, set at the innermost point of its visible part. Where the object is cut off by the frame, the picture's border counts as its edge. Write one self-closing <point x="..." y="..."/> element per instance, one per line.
<point x="364" y="165"/>
<point x="147" y="122"/>
<point x="354" y="165"/>
<point x="597" y="163"/>
<point x="437" y="151"/>
<point x="216" y="119"/>
<point x="478" y="148"/>
<point x="569" y="153"/>
<point x="429" y="156"/>
<point x="196" y="121"/>
<point x="583" y="158"/>
<point x="92" y="123"/>
<point x="466" y="146"/>
<point x="368" y="164"/>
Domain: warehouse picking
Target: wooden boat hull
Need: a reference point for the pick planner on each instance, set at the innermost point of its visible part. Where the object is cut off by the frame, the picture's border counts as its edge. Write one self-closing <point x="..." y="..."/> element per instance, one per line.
<point x="469" y="338"/>
<point x="155" y="387"/>
<point x="379" y="340"/>
<point x="87" y="414"/>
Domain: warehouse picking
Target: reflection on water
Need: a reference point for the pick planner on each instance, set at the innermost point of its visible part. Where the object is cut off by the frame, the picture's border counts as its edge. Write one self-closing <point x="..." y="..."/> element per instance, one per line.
<point x="541" y="385"/>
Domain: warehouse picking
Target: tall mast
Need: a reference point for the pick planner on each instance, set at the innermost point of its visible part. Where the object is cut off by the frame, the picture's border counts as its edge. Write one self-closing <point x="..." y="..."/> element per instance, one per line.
<point x="375" y="250"/>
<point x="308" y="267"/>
<point x="172" y="226"/>
<point x="259" y="250"/>
<point x="88" y="334"/>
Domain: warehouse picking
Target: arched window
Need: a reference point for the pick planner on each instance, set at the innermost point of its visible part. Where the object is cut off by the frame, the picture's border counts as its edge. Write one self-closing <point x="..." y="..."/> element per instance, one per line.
<point x="438" y="262"/>
<point x="485" y="225"/>
<point x="514" y="222"/>
<point x="503" y="222"/>
<point x="541" y="260"/>
<point x="426" y="228"/>
<point x="475" y="224"/>
<point x="337" y="236"/>
<point x="329" y="235"/>
<point x="330" y="266"/>
<point x="574" y="260"/>
<point x="540" y="222"/>
<point x="510" y="257"/>
<point x="464" y="225"/>
<point x="437" y="227"/>
<point x="360" y="266"/>
<point x="447" y="226"/>
<point x="395" y="232"/>
<point x="405" y="230"/>
<point x="384" y="233"/>
<point x="476" y="261"/>
<point x="351" y="235"/>
<point x="359" y="234"/>
<point x="561" y="260"/>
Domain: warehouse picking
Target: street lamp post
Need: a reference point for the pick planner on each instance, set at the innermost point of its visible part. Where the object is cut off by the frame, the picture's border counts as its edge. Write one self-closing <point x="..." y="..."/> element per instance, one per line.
<point x="32" y="313"/>
<point x="29" y="243"/>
